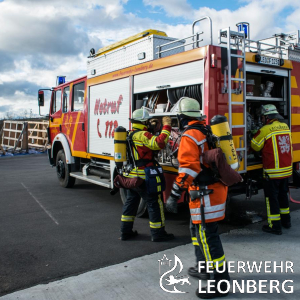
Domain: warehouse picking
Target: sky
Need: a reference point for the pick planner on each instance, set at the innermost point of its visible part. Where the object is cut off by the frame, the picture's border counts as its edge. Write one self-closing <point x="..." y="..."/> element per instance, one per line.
<point x="40" y="39"/>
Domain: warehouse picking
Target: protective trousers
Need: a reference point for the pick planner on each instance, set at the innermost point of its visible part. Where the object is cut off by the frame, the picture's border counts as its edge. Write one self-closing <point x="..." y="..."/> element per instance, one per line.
<point x="208" y="247"/>
<point x="277" y="202"/>
<point x="154" y="206"/>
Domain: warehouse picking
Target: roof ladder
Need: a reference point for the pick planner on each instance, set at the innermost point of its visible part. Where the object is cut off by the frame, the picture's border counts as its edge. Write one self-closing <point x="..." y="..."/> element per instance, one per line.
<point x="236" y="41"/>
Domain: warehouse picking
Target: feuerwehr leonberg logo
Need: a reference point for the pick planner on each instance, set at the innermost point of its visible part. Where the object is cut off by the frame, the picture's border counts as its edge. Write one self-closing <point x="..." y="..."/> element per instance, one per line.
<point x="167" y="279"/>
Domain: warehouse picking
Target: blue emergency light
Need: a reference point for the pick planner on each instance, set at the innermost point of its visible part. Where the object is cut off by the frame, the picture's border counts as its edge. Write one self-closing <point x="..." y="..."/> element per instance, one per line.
<point x="60" y="80"/>
<point x="243" y="27"/>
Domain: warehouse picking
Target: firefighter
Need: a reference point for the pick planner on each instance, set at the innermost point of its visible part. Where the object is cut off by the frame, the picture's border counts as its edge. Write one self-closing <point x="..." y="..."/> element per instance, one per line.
<point x="144" y="145"/>
<point x="274" y="139"/>
<point x="193" y="174"/>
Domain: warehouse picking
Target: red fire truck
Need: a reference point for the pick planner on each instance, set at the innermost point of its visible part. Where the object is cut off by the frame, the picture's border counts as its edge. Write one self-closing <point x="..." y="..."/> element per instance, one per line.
<point x="154" y="71"/>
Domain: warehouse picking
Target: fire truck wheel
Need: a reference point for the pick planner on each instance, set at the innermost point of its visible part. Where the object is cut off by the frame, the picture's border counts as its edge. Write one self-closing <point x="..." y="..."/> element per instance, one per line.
<point x="63" y="171"/>
<point x="142" y="210"/>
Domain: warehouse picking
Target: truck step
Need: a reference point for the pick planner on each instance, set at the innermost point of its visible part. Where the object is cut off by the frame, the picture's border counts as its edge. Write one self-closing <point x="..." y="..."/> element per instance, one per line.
<point x="93" y="179"/>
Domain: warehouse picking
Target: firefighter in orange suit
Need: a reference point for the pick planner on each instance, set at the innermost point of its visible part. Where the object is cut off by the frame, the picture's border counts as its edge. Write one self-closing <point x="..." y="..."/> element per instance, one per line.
<point x="192" y="175"/>
<point x="274" y="139"/>
<point x="144" y="145"/>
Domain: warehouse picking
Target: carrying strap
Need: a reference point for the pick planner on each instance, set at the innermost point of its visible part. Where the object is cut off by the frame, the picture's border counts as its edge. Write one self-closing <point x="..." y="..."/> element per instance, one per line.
<point x="141" y="162"/>
<point x="206" y="130"/>
<point x="208" y="175"/>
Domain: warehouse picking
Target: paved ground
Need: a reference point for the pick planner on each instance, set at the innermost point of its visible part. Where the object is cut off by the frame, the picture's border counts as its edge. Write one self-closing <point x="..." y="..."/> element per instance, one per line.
<point x="139" y="278"/>
<point x="49" y="233"/>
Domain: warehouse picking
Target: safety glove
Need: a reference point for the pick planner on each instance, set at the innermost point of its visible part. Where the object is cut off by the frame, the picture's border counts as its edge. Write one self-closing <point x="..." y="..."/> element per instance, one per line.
<point x="166" y="121"/>
<point x="171" y="204"/>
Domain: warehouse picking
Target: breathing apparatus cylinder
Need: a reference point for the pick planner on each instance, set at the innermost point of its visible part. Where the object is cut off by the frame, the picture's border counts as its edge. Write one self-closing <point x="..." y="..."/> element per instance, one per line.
<point x="220" y="128"/>
<point x="120" y="136"/>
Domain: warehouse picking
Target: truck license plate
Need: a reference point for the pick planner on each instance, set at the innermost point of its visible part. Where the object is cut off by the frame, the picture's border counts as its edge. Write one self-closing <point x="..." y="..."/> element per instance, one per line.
<point x="270" y="61"/>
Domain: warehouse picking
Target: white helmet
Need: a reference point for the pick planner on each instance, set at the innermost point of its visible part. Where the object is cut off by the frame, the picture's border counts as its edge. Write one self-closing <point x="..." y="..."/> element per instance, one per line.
<point x="268" y="109"/>
<point x="189" y="107"/>
<point x="140" y="115"/>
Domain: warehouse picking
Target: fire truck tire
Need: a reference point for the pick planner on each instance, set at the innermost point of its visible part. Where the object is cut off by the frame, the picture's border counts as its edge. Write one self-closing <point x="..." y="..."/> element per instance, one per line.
<point x="142" y="210"/>
<point x="63" y="171"/>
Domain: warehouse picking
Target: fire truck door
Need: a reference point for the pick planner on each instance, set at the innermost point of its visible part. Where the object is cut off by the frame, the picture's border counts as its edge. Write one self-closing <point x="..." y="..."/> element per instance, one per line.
<point x="76" y="119"/>
<point x="55" y="113"/>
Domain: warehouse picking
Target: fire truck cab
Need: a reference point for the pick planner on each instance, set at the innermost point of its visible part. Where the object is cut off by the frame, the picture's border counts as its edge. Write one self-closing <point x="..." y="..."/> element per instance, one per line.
<point x="154" y="71"/>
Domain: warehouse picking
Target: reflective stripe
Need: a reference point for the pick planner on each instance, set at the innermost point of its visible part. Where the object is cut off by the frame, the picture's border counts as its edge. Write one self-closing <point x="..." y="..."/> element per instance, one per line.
<point x="135" y="175"/>
<point x="152" y="140"/>
<point x="188" y="171"/>
<point x="209" y="209"/>
<point x="192" y="138"/>
<point x="274" y="217"/>
<point x="204" y="244"/>
<point x="283" y="174"/>
<point x="219" y="214"/>
<point x="277" y="133"/>
<point x="195" y="241"/>
<point x="165" y="131"/>
<point x="127" y="218"/>
<point x="155" y="225"/>
<point x="176" y="194"/>
<point x="162" y="214"/>
<point x="257" y="143"/>
<point x="278" y="170"/>
<point x="219" y="261"/>
<point x="276" y="157"/>
<point x="206" y="200"/>
<point x="284" y="211"/>
<point x="268" y="211"/>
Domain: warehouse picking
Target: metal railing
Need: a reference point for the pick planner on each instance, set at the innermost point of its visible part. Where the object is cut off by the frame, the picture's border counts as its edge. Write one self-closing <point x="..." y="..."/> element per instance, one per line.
<point x="193" y="40"/>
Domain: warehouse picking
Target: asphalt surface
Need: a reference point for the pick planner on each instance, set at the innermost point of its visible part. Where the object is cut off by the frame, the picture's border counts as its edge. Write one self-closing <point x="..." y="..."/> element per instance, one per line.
<point x="49" y="233"/>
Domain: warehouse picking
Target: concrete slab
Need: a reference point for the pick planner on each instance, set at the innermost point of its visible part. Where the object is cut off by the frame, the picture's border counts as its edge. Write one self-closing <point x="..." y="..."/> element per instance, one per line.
<point x="139" y="278"/>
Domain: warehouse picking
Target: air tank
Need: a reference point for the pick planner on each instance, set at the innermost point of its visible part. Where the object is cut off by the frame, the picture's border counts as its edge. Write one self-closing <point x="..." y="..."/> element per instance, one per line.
<point x="220" y="128"/>
<point x="120" y="136"/>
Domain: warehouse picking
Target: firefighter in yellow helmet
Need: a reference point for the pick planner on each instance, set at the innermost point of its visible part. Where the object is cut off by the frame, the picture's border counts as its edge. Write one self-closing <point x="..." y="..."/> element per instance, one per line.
<point x="194" y="174"/>
<point x="275" y="142"/>
<point x="144" y="144"/>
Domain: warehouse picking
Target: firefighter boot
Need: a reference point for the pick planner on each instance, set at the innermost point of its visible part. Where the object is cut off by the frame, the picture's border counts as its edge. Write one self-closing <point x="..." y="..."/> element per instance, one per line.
<point x="286" y="221"/>
<point x="268" y="229"/>
<point x="193" y="271"/>
<point x="218" y="289"/>
<point x="160" y="235"/>
<point x="128" y="235"/>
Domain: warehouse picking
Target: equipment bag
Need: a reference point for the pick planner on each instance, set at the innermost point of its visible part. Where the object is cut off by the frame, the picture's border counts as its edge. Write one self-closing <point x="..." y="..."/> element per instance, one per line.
<point x="155" y="180"/>
<point x="128" y="183"/>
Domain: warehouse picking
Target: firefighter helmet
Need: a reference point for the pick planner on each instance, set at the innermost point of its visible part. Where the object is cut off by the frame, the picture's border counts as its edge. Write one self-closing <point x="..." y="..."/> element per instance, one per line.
<point x="268" y="109"/>
<point x="189" y="107"/>
<point x="140" y="115"/>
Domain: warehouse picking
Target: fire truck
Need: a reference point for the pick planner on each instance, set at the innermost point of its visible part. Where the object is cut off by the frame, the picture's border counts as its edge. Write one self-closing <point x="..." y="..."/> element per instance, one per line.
<point x="154" y="71"/>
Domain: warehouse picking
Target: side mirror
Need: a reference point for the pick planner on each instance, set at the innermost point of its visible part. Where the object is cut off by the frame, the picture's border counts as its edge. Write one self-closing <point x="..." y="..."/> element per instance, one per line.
<point x="41" y="98"/>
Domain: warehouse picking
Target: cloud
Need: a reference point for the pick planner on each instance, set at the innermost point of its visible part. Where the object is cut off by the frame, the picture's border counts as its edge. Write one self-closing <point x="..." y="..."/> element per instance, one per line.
<point x="263" y="16"/>
<point x="27" y="88"/>
<point x="6" y="61"/>
<point x="5" y="108"/>
<point x="40" y="39"/>
<point x="173" y="8"/>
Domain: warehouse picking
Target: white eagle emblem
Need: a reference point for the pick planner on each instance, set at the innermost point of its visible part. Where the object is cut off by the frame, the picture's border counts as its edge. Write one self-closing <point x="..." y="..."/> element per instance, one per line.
<point x="284" y="144"/>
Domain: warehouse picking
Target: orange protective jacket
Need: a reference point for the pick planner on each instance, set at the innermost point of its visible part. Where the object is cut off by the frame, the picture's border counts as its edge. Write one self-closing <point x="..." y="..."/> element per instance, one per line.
<point x="192" y="145"/>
